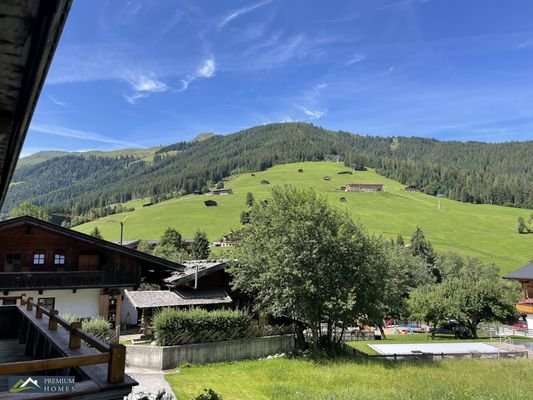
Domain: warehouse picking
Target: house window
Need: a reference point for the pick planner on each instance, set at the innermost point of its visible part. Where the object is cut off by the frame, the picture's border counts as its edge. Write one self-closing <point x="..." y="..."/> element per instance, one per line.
<point x="59" y="258"/>
<point x="47" y="302"/>
<point x="12" y="262"/>
<point x="38" y="259"/>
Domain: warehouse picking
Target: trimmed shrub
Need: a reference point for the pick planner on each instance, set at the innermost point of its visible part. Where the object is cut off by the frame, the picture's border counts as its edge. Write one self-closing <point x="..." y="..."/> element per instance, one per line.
<point x="168" y="323"/>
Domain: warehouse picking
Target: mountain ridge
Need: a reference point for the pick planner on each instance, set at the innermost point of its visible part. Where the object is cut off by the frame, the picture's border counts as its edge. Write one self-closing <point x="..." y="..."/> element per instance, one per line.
<point x="477" y="172"/>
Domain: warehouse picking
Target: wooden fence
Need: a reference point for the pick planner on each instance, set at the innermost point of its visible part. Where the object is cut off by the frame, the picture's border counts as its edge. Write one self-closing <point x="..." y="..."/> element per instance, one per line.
<point x="112" y="354"/>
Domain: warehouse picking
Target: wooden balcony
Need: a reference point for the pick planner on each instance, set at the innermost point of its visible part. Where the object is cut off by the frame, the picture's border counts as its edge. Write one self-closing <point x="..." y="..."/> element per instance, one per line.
<point x="64" y="279"/>
<point x="50" y="345"/>
<point x="525" y="308"/>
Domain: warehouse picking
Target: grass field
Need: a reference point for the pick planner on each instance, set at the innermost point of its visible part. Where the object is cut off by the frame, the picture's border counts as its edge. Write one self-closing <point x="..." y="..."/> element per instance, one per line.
<point x="485" y="231"/>
<point x="351" y="379"/>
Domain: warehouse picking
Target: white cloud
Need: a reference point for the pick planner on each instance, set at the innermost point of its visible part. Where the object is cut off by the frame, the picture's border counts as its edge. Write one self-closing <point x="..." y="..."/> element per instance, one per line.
<point x="313" y="114"/>
<point x="355" y="59"/>
<point x="236" y="13"/>
<point x="78" y="134"/>
<point x="143" y="84"/>
<point x="206" y="70"/>
<point x="57" y="102"/>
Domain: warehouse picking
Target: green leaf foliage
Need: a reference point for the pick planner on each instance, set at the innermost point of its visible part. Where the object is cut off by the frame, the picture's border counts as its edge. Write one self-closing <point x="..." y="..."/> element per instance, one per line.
<point x="170" y="321"/>
<point x="470" y="293"/>
<point x="200" y="246"/>
<point x="30" y="209"/>
<point x="303" y="259"/>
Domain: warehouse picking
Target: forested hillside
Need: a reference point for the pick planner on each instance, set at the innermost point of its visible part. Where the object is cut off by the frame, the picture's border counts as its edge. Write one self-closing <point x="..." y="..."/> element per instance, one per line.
<point x="471" y="172"/>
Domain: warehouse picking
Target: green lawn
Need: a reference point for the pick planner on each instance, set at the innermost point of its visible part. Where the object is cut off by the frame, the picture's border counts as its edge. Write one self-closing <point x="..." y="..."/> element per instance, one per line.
<point x="486" y="231"/>
<point x="350" y="379"/>
<point x="363" y="345"/>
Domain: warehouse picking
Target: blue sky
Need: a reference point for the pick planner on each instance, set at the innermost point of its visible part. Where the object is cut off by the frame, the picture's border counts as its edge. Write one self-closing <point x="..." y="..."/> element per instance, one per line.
<point x="141" y="73"/>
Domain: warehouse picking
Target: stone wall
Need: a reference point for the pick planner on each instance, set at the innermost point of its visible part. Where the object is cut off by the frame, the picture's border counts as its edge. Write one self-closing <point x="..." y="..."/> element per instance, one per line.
<point x="168" y="357"/>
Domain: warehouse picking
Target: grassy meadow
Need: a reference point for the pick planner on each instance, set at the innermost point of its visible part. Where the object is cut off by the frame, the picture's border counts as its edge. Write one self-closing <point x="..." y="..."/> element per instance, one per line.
<point x="485" y="231"/>
<point x="354" y="379"/>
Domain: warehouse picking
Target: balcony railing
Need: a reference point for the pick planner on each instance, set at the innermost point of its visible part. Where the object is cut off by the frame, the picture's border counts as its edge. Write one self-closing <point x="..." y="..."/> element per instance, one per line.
<point x="56" y="345"/>
<point x="64" y="279"/>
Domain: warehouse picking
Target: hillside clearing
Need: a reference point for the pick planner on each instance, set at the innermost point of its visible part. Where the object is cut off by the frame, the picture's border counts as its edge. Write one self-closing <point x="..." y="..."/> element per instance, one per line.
<point x="484" y="231"/>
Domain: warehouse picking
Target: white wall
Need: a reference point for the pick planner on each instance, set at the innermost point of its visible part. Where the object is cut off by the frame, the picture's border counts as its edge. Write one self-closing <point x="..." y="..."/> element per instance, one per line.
<point x="128" y="313"/>
<point x="84" y="303"/>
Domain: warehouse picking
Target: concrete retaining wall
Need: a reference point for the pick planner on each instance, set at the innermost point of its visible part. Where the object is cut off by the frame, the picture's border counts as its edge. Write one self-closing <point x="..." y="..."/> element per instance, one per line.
<point x="168" y="357"/>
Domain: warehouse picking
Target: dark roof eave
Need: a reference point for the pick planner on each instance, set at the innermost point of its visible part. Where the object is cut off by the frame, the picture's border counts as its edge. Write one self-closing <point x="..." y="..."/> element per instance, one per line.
<point x="45" y="35"/>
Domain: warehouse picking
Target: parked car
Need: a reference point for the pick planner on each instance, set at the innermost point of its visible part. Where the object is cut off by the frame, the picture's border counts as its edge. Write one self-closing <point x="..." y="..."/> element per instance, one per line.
<point x="520" y="324"/>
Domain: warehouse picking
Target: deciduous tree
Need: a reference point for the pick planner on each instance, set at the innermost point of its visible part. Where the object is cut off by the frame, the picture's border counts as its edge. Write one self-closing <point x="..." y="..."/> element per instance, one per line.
<point x="30" y="209"/>
<point x="303" y="259"/>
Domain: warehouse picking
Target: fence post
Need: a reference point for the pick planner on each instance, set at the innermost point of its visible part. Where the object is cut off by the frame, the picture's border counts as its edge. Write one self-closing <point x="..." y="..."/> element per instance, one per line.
<point x="74" y="340"/>
<point x="23" y="299"/>
<point x="38" y="311"/>
<point x="395" y="357"/>
<point x="52" y="321"/>
<point x="29" y="304"/>
<point x="117" y="363"/>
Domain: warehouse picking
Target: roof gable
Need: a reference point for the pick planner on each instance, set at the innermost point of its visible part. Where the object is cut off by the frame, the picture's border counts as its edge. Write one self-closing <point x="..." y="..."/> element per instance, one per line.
<point x="104" y="244"/>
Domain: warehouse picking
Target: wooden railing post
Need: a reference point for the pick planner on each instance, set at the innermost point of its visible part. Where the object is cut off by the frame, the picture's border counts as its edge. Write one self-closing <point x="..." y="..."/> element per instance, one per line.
<point x="117" y="363"/>
<point x="74" y="340"/>
<point x="29" y="304"/>
<point x="52" y="321"/>
<point x="23" y="299"/>
<point x="39" y="311"/>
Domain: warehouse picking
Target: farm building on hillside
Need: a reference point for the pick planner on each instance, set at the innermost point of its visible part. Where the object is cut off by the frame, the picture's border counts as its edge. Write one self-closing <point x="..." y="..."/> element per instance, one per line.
<point x="327" y="178"/>
<point x="363" y="187"/>
<point x="210" y="203"/>
<point x="220" y="192"/>
<point x="411" y="188"/>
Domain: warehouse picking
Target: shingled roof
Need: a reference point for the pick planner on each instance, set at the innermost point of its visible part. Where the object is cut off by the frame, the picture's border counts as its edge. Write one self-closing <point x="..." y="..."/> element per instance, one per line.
<point x="181" y="297"/>
<point x="524" y="273"/>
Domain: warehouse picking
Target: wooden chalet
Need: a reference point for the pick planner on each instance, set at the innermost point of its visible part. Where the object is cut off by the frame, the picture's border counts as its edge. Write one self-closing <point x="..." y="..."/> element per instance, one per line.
<point x="363" y="187"/>
<point x="411" y="189"/>
<point x="69" y="271"/>
<point x="524" y="275"/>
<point x="210" y="203"/>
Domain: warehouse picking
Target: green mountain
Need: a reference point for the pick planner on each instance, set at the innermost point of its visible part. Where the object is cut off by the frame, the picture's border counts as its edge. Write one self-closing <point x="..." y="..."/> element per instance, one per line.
<point x="470" y="172"/>
<point x="40" y="157"/>
<point x="485" y="231"/>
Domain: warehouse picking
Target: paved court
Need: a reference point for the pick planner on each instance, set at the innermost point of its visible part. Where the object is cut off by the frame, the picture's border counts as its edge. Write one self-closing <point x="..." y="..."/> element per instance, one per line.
<point x="435" y="348"/>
